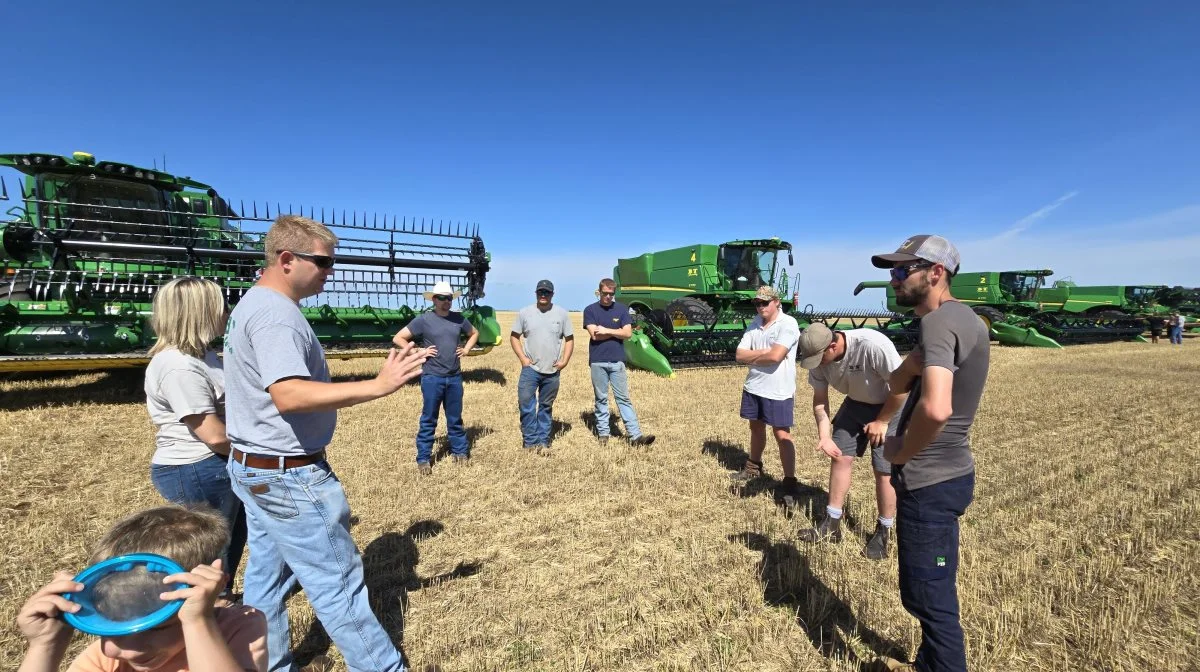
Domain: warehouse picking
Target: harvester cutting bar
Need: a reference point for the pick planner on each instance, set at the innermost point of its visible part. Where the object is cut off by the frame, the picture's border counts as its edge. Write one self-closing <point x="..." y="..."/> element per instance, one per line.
<point x="1083" y="329"/>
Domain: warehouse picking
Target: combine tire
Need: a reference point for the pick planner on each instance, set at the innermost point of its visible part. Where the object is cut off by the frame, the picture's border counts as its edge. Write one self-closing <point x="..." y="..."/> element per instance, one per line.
<point x="989" y="315"/>
<point x="690" y="310"/>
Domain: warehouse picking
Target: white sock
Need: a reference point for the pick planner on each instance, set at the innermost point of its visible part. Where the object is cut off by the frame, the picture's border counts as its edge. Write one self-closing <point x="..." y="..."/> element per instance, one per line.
<point x="887" y="522"/>
<point x="835" y="514"/>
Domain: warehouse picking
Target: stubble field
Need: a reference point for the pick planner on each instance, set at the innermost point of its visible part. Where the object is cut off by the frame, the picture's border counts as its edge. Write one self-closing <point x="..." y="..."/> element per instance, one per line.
<point x="1080" y="552"/>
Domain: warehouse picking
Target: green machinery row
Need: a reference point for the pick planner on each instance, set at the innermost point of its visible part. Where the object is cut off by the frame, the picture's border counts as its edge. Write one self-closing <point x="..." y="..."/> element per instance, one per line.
<point x="691" y="305"/>
<point x="87" y="243"/>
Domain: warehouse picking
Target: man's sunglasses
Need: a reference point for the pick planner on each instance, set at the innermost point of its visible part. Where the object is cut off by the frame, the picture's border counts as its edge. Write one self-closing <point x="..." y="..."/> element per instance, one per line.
<point x="608" y="293"/>
<point x="442" y="297"/>
<point x="319" y="260"/>
<point x="901" y="273"/>
<point x="545" y="292"/>
<point x="759" y="303"/>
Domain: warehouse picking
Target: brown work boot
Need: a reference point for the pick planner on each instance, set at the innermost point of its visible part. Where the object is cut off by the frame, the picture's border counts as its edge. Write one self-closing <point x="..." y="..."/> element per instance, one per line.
<point x="425" y="468"/>
<point x="877" y="545"/>
<point x="893" y="665"/>
<point x="643" y="440"/>
<point x="829" y="529"/>
<point x="750" y="471"/>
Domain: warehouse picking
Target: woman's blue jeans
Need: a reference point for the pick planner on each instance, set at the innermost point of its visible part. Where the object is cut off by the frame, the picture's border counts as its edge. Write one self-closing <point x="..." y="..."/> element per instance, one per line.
<point x="207" y="482"/>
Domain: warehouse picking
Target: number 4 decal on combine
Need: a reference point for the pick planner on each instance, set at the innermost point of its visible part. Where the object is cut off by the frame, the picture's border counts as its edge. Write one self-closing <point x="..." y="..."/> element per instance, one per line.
<point x="693" y="256"/>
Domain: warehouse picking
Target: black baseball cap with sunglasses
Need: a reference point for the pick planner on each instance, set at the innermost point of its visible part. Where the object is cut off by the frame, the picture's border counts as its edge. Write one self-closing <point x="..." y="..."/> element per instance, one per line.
<point x="544" y="287"/>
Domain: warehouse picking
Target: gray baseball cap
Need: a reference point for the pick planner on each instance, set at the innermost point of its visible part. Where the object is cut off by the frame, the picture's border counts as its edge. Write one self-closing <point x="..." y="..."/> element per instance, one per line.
<point x="813" y="342"/>
<point x="925" y="247"/>
<point x="546" y="285"/>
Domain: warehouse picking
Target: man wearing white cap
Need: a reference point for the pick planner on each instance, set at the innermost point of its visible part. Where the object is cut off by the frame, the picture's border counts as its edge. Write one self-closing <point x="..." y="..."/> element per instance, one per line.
<point x="933" y="470"/>
<point x="858" y="363"/>
<point x="769" y="393"/>
<point x="441" y="383"/>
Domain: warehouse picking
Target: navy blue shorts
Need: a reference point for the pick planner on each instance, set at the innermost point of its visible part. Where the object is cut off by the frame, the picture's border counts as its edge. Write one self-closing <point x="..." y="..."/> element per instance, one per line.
<point x="774" y="412"/>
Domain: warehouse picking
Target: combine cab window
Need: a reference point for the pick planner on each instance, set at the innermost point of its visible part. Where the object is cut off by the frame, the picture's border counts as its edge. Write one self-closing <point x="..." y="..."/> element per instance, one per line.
<point x="747" y="268"/>
<point x="1019" y="286"/>
<point x="113" y="210"/>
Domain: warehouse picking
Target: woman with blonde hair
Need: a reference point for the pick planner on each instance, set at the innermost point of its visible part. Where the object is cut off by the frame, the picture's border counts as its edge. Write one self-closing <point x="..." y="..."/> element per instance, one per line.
<point x="185" y="396"/>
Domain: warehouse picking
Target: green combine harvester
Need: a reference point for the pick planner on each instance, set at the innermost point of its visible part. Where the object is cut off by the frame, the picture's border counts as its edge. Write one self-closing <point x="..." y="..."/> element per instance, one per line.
<point x="88" y="242"/>
<point x="691" y="304"/>
<point x="1019" y="309"/>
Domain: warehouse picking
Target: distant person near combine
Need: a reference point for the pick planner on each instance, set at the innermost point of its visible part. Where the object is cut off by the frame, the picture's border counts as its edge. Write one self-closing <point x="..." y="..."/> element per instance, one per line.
<point x="1175" y="328"/>
<point x="608" y="323"/>
<point x="768" y="396"/>
<point x="549" y="342"/>
<point x="858" y="363"/>
<point x="1155" y="324"/>
<point x="441" y="378"/>
<point x="933" y="470"/>
<point x="185" y="397"/>
<point x="282" y="409"/>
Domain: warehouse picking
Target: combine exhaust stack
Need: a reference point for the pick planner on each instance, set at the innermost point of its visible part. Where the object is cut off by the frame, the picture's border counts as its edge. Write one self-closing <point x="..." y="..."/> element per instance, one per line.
<point x="83" y="255"/>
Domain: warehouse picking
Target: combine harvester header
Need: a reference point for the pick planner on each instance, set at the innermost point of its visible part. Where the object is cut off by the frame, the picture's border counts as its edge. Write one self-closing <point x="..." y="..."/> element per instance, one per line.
<point x="88" y="243"/>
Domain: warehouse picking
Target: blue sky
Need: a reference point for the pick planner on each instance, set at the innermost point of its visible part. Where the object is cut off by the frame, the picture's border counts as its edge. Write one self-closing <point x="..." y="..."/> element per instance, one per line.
<point x="1034" y="136"/>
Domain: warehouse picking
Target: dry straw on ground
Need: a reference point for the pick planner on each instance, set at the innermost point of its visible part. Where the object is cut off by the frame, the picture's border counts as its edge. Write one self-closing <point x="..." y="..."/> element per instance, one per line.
<point x="1080" y="551"/>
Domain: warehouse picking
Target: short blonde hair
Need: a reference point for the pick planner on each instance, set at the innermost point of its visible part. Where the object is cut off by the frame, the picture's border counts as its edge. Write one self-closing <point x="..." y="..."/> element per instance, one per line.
<point x="191" y="536"/>
<point x="188" y="314"/>
<point x="293" y="232"/>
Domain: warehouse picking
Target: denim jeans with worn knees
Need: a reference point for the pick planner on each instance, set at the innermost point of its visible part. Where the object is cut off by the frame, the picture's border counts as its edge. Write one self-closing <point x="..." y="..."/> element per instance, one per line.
<point x="299" y="529"/>
<point x="441" y="392"/>
<point x="927" y="550"/>
<point x="605" y="374"/>
<point x="535" y="399"/>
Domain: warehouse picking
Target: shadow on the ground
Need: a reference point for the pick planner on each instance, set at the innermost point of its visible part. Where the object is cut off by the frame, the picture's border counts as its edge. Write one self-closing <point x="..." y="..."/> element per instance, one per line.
<point x="485" y="375"/>
<point x="614" y="423"/>
<point x="558" y="429"/>
<point x="441" y="444"/>
<point x="788" y="581"/>
<point x="390" y="569"/>
<point x="118" y="386"/>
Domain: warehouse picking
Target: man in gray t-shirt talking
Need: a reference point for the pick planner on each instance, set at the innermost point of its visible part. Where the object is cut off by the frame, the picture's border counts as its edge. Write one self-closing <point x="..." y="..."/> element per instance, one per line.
<point x="933" y="471"/>
<point x="281" y="409"/>
<point x="549" y="342"/>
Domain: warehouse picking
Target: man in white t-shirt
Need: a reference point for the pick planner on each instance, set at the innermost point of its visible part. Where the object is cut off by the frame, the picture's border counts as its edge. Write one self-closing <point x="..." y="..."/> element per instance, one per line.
<point x="768" y="395"/>
<point x="859" y="364"/>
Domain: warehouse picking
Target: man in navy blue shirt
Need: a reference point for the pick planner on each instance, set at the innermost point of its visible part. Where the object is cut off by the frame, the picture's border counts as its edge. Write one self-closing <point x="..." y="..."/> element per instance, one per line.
<point x="609" y="325"/>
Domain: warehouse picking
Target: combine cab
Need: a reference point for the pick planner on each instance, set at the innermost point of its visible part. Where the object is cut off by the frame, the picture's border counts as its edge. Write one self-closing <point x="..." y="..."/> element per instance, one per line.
<point x="88" y="243"/>
<point x="1019" y="309"/>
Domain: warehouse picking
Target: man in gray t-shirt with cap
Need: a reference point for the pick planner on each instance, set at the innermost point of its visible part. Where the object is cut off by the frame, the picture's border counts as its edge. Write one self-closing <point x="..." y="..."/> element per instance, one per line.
<point x="858" y="363"/>
<point x="933" y="470"/>
<point x="549" y="342"/>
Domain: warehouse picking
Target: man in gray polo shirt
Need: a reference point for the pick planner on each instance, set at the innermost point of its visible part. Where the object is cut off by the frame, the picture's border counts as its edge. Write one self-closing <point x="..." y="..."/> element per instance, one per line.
<point x="858" y="363"/>
<point x="549" y="342"/>
<point x="933" y="470"/>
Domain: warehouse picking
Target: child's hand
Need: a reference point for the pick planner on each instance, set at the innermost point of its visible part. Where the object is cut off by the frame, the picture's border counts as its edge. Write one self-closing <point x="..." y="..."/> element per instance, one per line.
<point x="205" y="584"/>
<point x="39" y="620"/>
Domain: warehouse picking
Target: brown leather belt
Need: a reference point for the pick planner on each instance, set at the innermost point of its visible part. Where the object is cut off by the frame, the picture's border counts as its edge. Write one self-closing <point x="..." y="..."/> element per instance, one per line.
<point x="270" y="462"/>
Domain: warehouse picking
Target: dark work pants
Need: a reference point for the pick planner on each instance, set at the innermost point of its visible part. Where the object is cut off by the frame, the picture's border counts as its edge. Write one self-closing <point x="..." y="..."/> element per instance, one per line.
<point x="927" y="550"/>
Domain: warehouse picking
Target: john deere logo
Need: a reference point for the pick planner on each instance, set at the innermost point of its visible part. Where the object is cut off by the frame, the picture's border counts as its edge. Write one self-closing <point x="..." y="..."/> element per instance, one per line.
<point x="941" y="561"/>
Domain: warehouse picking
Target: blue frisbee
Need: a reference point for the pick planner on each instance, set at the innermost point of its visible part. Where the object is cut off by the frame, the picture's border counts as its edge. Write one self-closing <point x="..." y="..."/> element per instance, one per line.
<point x="120" y="595"/>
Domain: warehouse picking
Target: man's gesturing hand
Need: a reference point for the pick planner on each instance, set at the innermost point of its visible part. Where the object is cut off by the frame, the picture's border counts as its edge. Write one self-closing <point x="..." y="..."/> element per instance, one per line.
<point x="402" y="366"/>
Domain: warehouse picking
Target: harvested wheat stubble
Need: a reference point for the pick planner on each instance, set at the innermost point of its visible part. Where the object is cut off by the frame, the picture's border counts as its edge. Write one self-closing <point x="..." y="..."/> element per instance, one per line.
<point x="1080" y="551"/>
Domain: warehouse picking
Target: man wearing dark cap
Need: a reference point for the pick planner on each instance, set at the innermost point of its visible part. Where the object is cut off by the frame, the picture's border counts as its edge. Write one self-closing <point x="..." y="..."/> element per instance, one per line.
<point x="549" y="342"/>
<point x="933" y="470"/>
<point x="858" y="363"/>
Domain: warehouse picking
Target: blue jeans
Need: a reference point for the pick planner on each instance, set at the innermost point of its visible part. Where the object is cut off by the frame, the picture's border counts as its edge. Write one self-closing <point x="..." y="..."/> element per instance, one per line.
<point x="1176" y="335"/>
<point x="299" y="525"/>
<point x="535" y="399"/>
<point x="206" y="481"/>
<point x="605" y="374"/>
<point x="441" y="391"/>
<point x="927" y="550"/>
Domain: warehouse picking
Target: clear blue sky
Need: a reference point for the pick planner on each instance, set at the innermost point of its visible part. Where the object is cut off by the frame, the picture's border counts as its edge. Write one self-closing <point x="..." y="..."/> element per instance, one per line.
<point x="1034" y="134"/>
